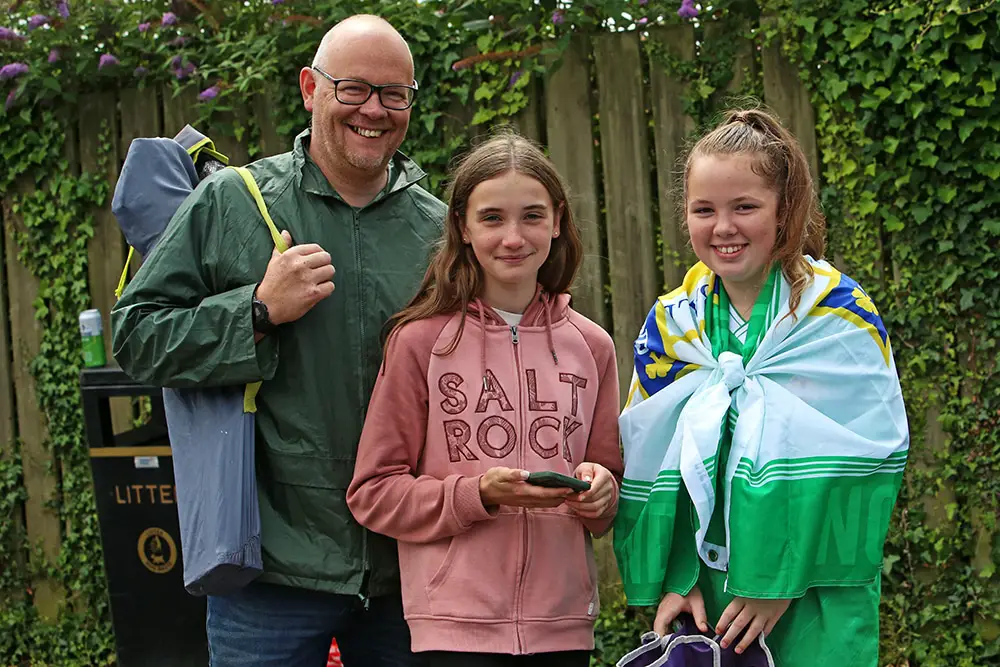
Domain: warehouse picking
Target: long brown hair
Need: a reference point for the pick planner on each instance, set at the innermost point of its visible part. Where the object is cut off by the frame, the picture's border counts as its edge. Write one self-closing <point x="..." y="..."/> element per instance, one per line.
<point x="455" y="278"/>
<point x="779" y="160"/>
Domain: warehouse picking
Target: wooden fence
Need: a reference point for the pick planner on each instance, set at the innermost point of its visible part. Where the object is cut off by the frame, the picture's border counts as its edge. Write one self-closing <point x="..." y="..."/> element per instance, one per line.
<point x="641" y="132"/>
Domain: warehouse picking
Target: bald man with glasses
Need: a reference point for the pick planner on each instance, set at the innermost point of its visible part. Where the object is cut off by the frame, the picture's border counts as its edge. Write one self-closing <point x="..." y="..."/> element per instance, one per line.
<point x="216" y="305"/>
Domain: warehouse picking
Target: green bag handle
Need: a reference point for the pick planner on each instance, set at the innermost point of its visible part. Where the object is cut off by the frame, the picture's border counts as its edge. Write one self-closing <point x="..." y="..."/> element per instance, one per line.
<point x="250" y="394"/>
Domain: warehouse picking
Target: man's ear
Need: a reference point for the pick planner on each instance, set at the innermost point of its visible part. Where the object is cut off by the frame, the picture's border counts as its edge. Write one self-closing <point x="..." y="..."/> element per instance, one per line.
<point x="307" y="85"/>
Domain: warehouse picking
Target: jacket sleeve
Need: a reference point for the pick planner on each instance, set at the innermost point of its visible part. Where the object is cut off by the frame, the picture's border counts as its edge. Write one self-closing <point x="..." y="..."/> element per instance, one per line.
<point x="387" y="495"/>
<point x="604" y="446"/>
<point x="179" y="324"/>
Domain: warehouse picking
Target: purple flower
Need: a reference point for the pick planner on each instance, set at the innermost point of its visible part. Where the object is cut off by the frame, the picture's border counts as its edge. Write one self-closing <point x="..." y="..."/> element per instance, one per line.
<point x="208" y="94"/>
<point x="53" y="56"/>
<point x="13" y="70"/>
<point x="643" y="3"/>
<point x="107" y="60"/>
<point x="8" y="34"/>
<point x="10" y="100"/>
<point x="37" y="21"/>
<point x="143" y="27"/>
<point x="185" y="71"/>
<point x="63" y="8"/>
<point x="176" y="62"/>
<point x="139" y="72"/>
<point x="687" y="10"/>
<point x="178" y="41"/>
<point x="169" y="19"/>
<point x="558" y="17"/>
<point x="642" y="21"/>
<point x="515" y="77"/>
<point x="277" y="2"/>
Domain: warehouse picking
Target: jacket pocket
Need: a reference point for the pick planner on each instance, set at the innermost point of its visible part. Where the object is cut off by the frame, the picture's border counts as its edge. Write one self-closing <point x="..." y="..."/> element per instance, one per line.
<point x="560" y="577"/>
<point x="473" y="577"/>
<point x="315" y="472"/>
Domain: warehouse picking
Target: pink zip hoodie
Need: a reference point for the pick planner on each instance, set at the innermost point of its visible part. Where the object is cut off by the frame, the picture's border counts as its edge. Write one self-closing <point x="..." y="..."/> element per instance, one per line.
<point x="539" y="396"/>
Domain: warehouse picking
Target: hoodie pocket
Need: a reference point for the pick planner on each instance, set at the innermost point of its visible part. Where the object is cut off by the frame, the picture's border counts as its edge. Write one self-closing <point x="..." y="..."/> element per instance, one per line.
<point x="477" y="577"/>
<point x="560" y="578"/>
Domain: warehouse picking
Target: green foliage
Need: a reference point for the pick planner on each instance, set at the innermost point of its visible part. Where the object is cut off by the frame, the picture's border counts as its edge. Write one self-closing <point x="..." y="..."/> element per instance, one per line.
<point x="907" y="125"/>
<point x="618" y="630"/>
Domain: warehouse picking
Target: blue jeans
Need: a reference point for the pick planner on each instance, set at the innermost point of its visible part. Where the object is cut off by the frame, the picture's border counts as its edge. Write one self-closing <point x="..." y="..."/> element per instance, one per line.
<point x="266" y="625"/>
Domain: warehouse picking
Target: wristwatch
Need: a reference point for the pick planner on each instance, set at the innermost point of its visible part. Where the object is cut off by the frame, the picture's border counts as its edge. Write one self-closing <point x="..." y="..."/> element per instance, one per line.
<point x="262" y="323"/>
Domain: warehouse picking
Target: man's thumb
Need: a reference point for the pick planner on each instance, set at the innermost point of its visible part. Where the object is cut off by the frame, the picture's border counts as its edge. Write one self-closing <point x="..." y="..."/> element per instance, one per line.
<point x="285" y="235"/>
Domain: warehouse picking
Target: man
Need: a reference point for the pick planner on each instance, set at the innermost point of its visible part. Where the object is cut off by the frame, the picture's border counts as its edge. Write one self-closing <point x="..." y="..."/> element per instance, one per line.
<point x="215" y="304"/>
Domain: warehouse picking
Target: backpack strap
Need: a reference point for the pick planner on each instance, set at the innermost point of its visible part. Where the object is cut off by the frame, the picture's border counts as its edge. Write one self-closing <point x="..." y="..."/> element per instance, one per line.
<point x="250" y="395"/>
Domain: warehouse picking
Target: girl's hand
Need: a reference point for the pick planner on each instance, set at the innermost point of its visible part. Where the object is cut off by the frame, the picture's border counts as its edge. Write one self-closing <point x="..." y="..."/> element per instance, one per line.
<point x="506" y="486"/>
<point x="755" y="615"/>
<point x="595" y="503"/>
<point x="672" y="605"/>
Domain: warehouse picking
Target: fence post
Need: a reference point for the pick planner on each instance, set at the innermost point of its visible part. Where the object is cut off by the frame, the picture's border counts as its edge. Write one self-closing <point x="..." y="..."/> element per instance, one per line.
<point x="671" y="129"/>
<point x="39" y="465"/>
<point x="569" y="117"/>
<point x="628" y="201"/>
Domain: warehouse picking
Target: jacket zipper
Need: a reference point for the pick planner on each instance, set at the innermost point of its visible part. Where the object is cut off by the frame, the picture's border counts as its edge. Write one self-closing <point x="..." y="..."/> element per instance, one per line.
<point x="365" y="564"/>
<point x="523" y="513"/>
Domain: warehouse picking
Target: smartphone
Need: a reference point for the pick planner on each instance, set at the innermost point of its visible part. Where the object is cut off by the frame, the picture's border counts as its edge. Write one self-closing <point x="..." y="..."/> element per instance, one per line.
<point x="552" y="479"/>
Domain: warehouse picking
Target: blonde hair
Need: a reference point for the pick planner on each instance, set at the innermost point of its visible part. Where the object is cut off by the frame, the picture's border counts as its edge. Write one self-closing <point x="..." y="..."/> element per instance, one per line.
<point x="779" y="160"/>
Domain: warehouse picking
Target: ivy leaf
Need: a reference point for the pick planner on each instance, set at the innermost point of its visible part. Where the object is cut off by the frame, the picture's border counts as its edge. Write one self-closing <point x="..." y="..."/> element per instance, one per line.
<point x="858" y="33"/>
<point x="950" y="279"/>
<point x="968" y="298"/>
<point x="946" y="193"/>
<point x="807" y="23"/>
<point x="950" y="78"/>
<point x="920" y="213"/>
<point x="975" y="42"/>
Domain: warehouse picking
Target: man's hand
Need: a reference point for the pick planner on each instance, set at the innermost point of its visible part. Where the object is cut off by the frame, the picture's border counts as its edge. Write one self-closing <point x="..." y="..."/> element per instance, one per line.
<point x="754" y="615"/>
<point x="673" y="605"/>
<point x="295" y="281"/>
<point x="595" y="503"/>
<point x="506" y="486"/>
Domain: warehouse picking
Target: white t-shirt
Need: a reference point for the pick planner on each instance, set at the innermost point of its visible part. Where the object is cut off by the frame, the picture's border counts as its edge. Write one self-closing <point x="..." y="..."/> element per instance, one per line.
<point x="512" y="319"/>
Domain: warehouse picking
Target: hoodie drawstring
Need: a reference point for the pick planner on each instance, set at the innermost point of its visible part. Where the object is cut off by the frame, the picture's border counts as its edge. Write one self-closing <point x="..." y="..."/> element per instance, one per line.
<point x="482" y="356"/>
<point x="548" y="328"/>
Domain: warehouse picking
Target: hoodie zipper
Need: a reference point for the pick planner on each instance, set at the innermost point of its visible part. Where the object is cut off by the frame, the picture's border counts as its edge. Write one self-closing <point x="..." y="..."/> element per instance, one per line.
<point x="365" y="563"/>
<point x="523" y="513"/>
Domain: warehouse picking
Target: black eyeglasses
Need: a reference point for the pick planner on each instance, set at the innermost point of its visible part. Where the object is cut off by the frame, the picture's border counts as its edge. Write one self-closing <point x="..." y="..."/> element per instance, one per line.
<point x="356" y="92"/>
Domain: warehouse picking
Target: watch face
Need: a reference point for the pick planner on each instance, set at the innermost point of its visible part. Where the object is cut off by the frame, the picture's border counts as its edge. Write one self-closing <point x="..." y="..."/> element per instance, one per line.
<point x="261" y="320"/>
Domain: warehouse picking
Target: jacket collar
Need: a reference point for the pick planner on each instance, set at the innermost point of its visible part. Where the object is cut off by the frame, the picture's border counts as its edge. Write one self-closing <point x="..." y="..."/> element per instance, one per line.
<point x="403" y="172"/>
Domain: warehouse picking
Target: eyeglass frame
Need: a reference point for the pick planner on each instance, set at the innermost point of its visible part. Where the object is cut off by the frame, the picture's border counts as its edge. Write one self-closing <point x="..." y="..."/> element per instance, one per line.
<point x="372" y="89"/>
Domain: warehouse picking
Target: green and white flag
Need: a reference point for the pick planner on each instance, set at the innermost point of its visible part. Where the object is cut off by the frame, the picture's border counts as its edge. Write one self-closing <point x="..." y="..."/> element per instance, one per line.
<point x="819" y="441"/>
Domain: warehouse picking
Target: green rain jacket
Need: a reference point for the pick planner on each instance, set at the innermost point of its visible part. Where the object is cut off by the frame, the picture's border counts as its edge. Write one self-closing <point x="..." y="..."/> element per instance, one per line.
<point x="185" y="321"/>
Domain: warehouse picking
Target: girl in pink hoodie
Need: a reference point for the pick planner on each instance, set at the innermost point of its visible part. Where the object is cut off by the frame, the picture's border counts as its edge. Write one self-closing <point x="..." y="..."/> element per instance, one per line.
<point x="490" y="375"/>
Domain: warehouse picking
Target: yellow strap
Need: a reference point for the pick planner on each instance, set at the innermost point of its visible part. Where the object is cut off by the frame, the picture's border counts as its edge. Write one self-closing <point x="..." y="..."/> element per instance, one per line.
<point x="279" y="242"/>
<point x="207" y="146"/>
<point x="250" y="397"/>
<point x="250" y="393"/>
<point x="121" y="281"/>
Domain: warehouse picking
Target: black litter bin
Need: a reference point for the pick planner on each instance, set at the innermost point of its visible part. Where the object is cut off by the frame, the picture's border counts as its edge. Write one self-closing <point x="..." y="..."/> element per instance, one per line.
<point x="156" y="622"/>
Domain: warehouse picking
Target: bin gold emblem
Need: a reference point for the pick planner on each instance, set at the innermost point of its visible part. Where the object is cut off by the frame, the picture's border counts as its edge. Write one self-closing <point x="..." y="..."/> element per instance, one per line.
<point x="157" y="550"/>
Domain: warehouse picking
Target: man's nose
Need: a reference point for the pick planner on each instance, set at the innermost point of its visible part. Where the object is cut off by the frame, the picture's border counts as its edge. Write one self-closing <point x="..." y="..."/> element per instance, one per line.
<point x="373" y="108"/>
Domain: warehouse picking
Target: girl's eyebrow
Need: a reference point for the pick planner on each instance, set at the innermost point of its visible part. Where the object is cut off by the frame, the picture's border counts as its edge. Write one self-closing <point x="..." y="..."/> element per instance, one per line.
<point x="736" y="200"/>
<point x="488" y="210"/>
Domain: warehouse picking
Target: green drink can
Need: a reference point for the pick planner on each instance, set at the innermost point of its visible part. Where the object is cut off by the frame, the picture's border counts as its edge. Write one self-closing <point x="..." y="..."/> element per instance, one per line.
<point x="92" y="334"/>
